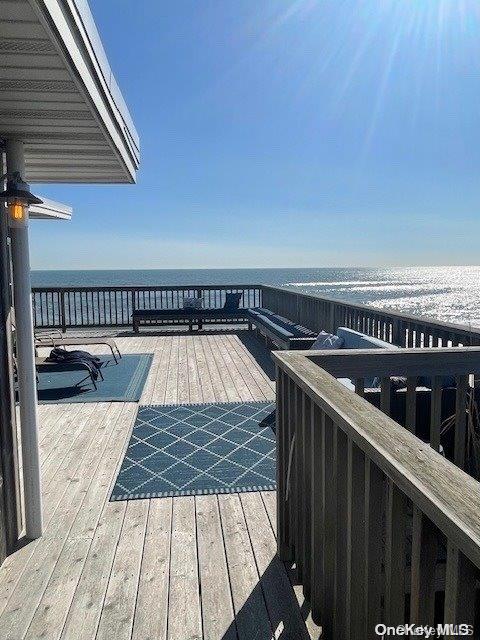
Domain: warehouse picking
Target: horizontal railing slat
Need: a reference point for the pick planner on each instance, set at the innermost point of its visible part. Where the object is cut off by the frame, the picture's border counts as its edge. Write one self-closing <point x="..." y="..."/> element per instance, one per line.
<point x="357" y="363"/>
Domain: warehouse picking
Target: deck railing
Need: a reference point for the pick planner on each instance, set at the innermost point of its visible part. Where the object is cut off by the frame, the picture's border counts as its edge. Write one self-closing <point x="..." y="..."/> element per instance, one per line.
<point x="328" y="314"/>
<point x="430" y="392"/>
<point x="74" y="307"/>
<point x="65" y="307"/>
<point x="382" y="528"/>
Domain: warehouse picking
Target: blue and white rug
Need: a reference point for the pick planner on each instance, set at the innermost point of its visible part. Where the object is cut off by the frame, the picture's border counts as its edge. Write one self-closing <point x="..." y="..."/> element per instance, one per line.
<point x="197" y="449"/>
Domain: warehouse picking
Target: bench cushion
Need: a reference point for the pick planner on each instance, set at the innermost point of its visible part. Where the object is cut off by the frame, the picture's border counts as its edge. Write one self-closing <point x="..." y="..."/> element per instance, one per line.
<point x="282" y="327"/>
<point x="189" y="313"/>
<point x="356" y="340"/>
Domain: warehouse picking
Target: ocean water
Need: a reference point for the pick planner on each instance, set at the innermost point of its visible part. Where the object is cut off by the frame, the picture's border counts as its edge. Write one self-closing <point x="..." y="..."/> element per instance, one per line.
<point x="451" y="294"/>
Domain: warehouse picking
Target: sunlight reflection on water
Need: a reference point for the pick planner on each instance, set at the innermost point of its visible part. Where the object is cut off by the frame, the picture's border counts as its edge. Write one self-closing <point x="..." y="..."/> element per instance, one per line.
<point x="451" y="294"/>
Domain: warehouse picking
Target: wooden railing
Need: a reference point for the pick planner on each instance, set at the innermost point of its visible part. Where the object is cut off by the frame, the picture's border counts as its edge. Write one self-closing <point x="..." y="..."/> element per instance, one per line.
<point x="67" y="307"/>
<point x="404" y="330"/>
<point x="381" y="527"/>
<point x="430" y="392"/>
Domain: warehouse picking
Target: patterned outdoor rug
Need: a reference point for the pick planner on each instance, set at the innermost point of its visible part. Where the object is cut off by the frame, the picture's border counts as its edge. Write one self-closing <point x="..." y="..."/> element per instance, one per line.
<point x="196" y="449"/>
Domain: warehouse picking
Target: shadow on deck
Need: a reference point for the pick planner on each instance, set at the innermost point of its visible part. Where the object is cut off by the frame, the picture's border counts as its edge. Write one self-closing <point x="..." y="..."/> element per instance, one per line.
<point x="273" y="611"/>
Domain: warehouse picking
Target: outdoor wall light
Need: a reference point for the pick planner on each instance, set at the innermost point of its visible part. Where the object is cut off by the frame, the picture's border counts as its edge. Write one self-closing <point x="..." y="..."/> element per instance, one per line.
<point x="18" y="197"/>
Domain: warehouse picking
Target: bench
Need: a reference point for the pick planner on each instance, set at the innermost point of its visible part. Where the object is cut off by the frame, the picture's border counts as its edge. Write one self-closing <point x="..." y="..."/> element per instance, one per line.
<point x="284" y="333"/>
<point x="190" y="317"/>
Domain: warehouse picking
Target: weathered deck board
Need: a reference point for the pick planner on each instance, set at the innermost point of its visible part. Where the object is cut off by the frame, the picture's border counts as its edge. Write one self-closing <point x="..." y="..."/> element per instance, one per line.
<point x="217" y="606"/>
<point x="116" y="621"/>
<point x="280" y="599"/>
<point x="30" y="585"/>
<point x="251" y="614"/>
<point x="151" y="613"/>
<point x="184" y="613"/>
<point x="86" y="607"/>
<point x="166" y="569"/>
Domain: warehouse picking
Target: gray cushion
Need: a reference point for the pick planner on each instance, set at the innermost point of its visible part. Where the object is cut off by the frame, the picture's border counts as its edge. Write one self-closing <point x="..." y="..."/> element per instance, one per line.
<point x="356" y="340"/>
<point x="327" y="341"/>
<point x="275" y="326"/>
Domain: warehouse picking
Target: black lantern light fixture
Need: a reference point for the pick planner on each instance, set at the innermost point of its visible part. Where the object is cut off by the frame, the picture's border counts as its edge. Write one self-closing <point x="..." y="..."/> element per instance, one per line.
<point x="18" y="197"/>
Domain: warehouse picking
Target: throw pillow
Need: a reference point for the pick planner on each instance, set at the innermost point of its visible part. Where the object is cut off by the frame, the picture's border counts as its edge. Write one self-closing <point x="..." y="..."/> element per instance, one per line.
<point x="327" y="341"/>
<point x="192" y="303"/>
<point x="232" y="301"/>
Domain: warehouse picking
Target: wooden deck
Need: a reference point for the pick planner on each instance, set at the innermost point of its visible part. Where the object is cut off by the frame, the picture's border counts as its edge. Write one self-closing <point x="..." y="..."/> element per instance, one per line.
<point x="170" y="568"/>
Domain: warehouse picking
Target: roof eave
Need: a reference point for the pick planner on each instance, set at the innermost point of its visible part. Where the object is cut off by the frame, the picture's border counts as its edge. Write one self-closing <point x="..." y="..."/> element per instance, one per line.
<point x="69" y="35"/>
<point x="50" y="210"/>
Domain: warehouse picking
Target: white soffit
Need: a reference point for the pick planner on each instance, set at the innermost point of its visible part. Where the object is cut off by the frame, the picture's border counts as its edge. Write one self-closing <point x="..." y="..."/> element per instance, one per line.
<point x="58" y="94"/>
<point x="50" y="210"/>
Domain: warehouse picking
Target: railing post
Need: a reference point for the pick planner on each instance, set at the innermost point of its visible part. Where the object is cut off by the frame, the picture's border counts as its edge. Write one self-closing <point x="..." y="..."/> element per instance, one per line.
<point x="284" y="550"/>
<point x="356" y="540"/>
<point x="397" y="332"/>
<point x="298" y="467"/>
<point x="63" y="321"/>
<point x="318" y="514"/>
<point x="291" y="486"/>
<point x="460" y="581"/>
<point x="340" y="462"/>
<point x="134" y="300"/>
<point x="395" y="556"/>
<point x="423" y="563"/>
<point x="134" y="306"/>
<point x="374" y="511"/>
<point x="306" y="497"/>
<point x="329" y="487"/>
<point x="331" y="328"/>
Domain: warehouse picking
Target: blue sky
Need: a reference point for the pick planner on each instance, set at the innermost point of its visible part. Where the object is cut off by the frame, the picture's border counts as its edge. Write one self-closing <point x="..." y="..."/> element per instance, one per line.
<point x="282" y="133"/>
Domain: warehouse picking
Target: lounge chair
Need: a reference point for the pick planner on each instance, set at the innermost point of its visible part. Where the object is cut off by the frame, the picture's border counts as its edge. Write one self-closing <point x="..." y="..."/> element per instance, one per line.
<point x="78" y="365"/>
<point x="59" y="340"/>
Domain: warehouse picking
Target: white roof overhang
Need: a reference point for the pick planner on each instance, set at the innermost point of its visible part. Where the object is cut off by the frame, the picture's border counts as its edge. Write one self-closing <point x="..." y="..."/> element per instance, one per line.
<point x="50" y="210"/>
<point x="58" y="95"/>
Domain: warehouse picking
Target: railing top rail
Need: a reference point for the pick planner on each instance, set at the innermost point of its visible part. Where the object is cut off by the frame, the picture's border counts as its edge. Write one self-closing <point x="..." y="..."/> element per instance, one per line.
<point x="424" y="321"/>
<point x="447" y="495"/>
<point x="180" y="287"/>
<point x="397" y="362"/>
